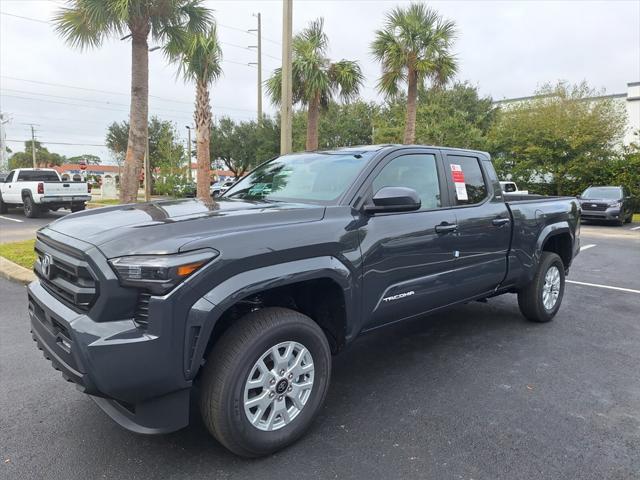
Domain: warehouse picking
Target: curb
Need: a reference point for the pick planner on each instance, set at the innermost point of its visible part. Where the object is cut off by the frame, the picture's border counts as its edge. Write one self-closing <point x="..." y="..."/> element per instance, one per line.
<point x="14" y="272"/>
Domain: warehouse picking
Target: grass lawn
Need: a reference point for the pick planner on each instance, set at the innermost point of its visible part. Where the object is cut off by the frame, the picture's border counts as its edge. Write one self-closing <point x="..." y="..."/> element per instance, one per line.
<point x="110" y="201"/>
<point x="19" y="252"/>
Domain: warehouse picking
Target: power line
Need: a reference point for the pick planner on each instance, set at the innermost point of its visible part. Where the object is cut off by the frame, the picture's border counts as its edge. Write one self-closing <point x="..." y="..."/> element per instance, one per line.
<point x="76" y="87"/>
<point x="61" y="143"/>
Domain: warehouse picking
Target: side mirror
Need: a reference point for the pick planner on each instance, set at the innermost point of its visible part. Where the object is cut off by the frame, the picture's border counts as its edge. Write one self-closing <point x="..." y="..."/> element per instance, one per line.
<point x="578" y="197"/>
<point x="394" y="199"/>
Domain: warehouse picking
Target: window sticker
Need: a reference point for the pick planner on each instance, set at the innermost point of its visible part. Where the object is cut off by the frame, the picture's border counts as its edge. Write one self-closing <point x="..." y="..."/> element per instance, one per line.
<point x="458" y="181"/>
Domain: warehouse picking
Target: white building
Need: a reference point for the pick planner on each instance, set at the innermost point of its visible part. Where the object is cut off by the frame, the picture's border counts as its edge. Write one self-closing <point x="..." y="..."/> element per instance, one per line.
<point x="631" y="100"/>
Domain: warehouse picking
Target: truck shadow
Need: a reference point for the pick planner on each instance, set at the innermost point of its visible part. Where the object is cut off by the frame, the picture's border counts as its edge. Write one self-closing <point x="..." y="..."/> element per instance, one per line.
<point x="381" y="368"/>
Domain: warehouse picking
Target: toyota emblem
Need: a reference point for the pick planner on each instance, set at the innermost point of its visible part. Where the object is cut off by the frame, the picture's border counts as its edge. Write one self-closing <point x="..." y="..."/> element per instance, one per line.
<point x="46" y="265"/>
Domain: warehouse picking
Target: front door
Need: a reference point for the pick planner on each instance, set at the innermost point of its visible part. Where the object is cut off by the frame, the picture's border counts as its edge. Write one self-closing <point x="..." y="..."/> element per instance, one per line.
<point x="406" y="262"/>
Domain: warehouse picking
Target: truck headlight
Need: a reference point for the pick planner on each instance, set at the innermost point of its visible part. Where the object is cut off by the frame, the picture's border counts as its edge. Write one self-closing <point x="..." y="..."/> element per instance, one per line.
<point x="615" y="204"/>
<point x="160" y="273"/>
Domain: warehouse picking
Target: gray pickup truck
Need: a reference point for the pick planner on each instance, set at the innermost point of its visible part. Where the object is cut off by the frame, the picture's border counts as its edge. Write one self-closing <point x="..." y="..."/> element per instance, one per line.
<point x="242" y="301"/>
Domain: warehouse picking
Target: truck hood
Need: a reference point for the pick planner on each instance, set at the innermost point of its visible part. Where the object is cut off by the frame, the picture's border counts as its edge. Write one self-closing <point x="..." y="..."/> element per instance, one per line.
<point x="166" y="226"/>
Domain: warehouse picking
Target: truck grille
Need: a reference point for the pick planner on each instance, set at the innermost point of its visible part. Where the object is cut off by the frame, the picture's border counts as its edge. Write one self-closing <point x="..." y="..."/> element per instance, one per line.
<point x="595" y="207"/>
<point x="64" y="272"/>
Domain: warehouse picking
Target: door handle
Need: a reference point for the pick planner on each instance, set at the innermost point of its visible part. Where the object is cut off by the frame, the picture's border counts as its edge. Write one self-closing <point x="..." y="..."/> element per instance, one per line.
<point x="446" y="228"/>
<point x="500" y="221"/>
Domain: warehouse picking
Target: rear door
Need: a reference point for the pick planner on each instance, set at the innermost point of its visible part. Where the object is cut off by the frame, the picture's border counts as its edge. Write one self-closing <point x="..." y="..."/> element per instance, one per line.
<point x="483" y="223"/>
<point x="407" y="264"/>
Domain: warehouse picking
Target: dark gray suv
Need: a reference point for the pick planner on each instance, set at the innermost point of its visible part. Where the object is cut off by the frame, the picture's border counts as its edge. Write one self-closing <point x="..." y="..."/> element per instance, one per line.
<point x="606" y="203"/>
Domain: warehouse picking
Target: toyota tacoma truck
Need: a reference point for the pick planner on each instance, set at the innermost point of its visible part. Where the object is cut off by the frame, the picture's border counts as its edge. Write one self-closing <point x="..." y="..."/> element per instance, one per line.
<point x="38" y="190"/>
<point x="241" y="302"/>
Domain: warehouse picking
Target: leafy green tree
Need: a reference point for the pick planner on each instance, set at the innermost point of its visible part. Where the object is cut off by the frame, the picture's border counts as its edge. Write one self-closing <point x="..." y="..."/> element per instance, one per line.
<point x="340" y="125"/>
<point x="243" y="145"/>
<point x="86" y="158"/>
<point x="414" y="46"/>
<point x="165" y="148"/>
<point x="44" y="158"/>
<point x="199" y="58"/>
<point x="315" y="79"/>
<point x="455" y="116"/>
<point x="87" y="23"/>
<point x="561" y="137"/>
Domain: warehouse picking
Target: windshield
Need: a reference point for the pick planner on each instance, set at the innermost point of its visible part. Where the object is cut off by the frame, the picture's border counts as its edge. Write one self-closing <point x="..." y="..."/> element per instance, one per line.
<point x="605" y="193"/>
<point x="314" y="177"/>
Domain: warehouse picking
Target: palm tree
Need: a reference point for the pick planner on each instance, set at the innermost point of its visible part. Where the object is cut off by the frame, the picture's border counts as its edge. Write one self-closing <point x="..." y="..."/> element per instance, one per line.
<point x="87" y="23"/>
<point x="316" y="80"/>
<point x="199" y="57"/>
<point x="414" y="46"/>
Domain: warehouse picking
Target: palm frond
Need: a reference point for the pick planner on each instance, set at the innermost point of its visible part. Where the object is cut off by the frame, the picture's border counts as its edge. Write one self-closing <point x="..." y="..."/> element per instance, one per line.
<point x="346" y="75"/>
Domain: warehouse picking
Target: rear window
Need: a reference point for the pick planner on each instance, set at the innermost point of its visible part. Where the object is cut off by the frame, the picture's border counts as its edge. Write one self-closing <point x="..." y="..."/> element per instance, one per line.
<point x="467" y="177"/>
<point x="38" y="176"/>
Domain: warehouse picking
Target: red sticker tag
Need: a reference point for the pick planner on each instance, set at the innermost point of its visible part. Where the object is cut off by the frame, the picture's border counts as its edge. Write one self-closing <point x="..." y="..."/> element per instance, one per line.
<point x="457" y="173"/>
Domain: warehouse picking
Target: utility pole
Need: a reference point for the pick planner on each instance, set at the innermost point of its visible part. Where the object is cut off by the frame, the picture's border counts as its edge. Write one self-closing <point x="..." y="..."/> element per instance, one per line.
<point x="189" y="154"/>
<point x="286" y="109"/>
<point x="3" y="143"/>
<point x="259" y="63"/>
<point x="33" y="146"/>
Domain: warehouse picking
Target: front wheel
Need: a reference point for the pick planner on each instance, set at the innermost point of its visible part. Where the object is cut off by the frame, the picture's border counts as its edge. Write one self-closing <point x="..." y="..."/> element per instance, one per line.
<point x="264" y="381"/>
<point x="77" y="208"/>
<point x="540" y="300"/>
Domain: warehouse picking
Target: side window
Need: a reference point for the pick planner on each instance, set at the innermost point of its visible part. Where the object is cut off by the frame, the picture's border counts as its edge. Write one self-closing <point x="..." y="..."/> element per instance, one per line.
<point x="10" y="177"/>
<point x="466" y="174"/>
<point x="418" y="172"/>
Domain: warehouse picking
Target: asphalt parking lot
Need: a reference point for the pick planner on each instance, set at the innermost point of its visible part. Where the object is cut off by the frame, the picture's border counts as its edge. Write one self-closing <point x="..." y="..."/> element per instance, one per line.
<point x="473" y="393"/>
<point x="14" y="226"/>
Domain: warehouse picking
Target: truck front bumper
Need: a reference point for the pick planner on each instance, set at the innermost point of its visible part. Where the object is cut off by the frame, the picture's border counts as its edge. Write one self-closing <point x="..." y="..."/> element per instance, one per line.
<point x="126" y="370"/>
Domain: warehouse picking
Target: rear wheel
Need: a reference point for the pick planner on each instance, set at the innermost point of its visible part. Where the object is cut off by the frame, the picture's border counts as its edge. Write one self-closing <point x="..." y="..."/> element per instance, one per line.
<point x="30" y="209"/>
<point x="77" y="208"/>
<point x="541" y="299"/>
<point x="265" y="381"/>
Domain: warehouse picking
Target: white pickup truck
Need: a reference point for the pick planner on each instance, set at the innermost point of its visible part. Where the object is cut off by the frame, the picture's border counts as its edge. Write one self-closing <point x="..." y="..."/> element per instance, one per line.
<point x="38" y="190"/>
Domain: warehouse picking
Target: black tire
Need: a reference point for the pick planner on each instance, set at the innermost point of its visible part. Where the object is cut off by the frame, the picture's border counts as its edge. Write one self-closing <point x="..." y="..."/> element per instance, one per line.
<point x="3" y="206"/>
<point x="31" y="210"/>
<point x="230" y="364"/>
<point x="77" y="208"/>
<point x="629" y="218"/>
<point x="530" y="298"/>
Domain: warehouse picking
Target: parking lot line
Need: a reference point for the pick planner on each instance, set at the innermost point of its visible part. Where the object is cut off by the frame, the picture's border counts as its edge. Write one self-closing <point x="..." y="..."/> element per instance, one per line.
<point x="629" y="290"/>
<point x="12" y="219"/>
<point x="587" y="247"/>
<point x="635" y="228"/>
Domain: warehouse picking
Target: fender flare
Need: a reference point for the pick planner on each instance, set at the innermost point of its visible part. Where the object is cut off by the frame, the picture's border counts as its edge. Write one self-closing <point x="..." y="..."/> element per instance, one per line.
<point x="205" y="313"/>
<point x="549" y="231"/>
<point x="26" y="192"/>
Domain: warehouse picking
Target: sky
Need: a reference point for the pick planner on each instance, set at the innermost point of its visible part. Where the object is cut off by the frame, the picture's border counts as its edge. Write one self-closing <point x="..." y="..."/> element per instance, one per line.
<point x="505" y="48"/>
